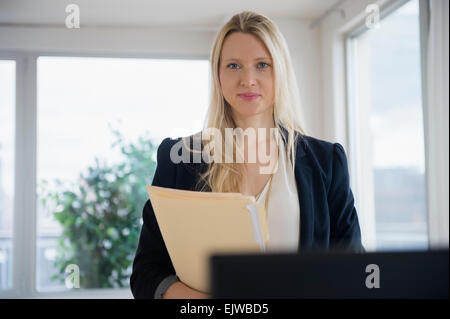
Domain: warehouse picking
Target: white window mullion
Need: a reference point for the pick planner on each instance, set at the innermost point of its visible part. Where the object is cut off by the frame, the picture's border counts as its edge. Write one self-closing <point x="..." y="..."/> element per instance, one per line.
<point x="359" y="147"/>
<point x="24" y="248"/>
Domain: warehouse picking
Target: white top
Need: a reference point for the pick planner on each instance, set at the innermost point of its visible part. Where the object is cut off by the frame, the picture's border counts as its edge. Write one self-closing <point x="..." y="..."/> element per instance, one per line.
<point x="283" y="207"/>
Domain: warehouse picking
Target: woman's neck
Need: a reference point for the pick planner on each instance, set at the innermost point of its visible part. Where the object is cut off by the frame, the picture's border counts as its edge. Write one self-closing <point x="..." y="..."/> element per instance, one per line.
<point x="261" y="123"/>
<point x="264" y="135"/>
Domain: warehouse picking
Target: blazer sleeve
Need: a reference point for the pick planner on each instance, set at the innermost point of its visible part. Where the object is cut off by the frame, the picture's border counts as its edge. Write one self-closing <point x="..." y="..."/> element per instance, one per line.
<point x="345" y="234"/>
<point x="152" y="263"/>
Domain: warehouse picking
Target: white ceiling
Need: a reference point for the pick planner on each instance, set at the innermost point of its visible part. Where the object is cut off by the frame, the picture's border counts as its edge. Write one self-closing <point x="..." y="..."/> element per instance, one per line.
<point x="154" y="12"/>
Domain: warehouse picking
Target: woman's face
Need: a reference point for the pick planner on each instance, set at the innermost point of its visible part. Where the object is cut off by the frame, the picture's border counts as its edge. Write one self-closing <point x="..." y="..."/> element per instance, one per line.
<point x="246" y="66"/>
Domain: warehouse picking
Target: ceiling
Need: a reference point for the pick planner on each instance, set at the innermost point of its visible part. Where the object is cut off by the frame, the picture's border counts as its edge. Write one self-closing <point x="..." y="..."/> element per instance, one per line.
<point x="154" y="12"/>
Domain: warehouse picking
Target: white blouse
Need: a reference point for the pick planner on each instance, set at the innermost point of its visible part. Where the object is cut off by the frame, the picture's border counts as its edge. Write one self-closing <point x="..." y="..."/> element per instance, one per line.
<point x="283" y="207"/>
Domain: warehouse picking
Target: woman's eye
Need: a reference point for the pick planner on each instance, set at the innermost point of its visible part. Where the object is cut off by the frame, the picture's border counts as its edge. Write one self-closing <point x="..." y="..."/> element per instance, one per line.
<point x="265" y="65"/>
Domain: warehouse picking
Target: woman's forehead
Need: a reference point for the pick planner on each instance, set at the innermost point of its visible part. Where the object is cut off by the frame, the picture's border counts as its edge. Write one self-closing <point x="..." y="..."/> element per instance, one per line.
<point x="244" y="47"/>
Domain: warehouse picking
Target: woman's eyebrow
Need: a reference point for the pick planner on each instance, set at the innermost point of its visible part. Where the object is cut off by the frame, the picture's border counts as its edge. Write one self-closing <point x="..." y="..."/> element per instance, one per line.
<point x="261" y="58"/>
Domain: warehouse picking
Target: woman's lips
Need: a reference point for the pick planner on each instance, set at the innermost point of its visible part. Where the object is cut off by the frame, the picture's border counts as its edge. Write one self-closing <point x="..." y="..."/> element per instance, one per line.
<point x="249" y="98"/>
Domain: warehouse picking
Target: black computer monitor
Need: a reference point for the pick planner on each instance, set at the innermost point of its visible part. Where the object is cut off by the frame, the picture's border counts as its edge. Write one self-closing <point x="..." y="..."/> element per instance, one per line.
<point x="407" y="274"/>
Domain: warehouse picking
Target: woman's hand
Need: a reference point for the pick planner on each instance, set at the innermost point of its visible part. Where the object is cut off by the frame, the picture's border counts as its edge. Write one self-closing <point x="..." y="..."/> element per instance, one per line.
<point x="179" y="290"/>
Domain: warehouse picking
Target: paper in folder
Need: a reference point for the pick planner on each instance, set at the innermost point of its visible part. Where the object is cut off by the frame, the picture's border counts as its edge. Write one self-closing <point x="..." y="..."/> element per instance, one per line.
<point x="195" y="225"/>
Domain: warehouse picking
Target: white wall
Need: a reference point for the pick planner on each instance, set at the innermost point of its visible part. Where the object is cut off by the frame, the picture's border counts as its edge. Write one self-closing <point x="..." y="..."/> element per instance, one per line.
<point x="109" y="41"/>
<point x="304" y="46"/>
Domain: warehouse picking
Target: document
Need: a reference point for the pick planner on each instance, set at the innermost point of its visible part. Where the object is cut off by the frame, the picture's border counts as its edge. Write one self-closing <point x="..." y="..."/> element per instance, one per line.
<point x="195" y="225"/>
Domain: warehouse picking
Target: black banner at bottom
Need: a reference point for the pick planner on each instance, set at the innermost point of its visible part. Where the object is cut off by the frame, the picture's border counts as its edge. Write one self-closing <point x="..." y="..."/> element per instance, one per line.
<point x="217" y="308"/>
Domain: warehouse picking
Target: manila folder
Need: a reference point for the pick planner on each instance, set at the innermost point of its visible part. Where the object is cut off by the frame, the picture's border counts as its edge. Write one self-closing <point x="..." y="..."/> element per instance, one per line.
<point x="195" y="225"/>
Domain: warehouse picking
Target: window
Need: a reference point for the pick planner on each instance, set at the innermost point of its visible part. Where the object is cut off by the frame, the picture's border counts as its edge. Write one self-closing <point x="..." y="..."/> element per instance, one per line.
<point x="386" y="130"/>
<point x="99" y="123"/>
<point x="7" y="127"/>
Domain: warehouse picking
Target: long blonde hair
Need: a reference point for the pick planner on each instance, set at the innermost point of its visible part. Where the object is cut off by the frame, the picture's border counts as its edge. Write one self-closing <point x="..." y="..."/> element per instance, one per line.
<point x="226" y="177"/>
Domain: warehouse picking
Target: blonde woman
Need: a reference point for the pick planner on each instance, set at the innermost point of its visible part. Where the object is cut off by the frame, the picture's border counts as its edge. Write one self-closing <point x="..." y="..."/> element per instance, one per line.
<point x="306" y="192"/>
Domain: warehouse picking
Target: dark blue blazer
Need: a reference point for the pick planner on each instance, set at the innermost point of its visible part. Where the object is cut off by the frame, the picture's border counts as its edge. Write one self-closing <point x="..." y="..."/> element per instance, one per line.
<point x="328" y="217"/>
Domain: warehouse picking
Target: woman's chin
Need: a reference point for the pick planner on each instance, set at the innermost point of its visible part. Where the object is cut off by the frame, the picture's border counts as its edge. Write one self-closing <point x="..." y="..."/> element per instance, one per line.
<point x="250" y="109"/>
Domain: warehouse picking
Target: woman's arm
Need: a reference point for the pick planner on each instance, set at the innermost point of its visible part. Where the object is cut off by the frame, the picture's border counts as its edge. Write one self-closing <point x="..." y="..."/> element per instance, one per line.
<point x="345" y="232"/>
<point x="152" y="263"/>
<point x="179" y="290"/>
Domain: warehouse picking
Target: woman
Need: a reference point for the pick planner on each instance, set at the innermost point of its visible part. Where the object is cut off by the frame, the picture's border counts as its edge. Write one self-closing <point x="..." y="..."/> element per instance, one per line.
<point x="310" y="177"/>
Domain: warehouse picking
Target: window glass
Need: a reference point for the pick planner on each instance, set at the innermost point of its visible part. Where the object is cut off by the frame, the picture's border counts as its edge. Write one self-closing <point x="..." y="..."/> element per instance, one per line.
<point x="100" y="121"/>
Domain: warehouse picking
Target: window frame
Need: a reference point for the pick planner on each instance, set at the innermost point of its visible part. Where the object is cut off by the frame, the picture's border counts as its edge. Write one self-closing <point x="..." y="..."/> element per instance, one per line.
<point x="18" y="59"/>
<point x="357" y="160"/>
<point x="24" y="240"/>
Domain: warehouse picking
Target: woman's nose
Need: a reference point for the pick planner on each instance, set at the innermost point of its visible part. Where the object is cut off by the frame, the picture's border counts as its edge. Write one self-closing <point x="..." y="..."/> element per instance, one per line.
<point x="248" y="78"/>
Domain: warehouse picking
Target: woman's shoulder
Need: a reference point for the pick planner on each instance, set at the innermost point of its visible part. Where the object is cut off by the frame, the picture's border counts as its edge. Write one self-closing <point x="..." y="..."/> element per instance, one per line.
<point x="316" y="144"/>
<point x="324" y="155"/>
<point x="320" y="147"/>
<point x="184" y="151"/>
<point x="175" y="158"/>
<point x="187" y="141"/>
